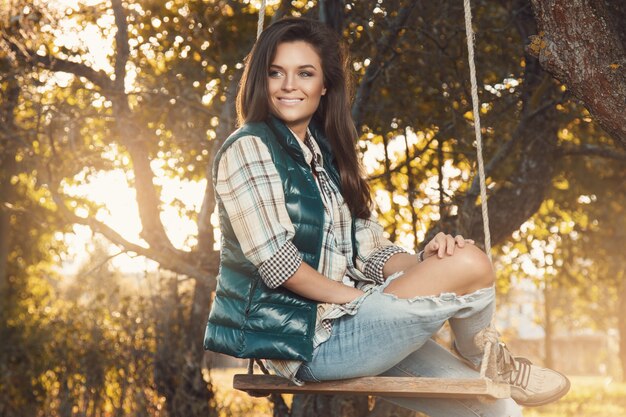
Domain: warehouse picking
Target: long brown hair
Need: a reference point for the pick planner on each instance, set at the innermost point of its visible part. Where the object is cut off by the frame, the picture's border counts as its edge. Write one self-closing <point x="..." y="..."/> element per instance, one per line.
<point x="253" y="104"/>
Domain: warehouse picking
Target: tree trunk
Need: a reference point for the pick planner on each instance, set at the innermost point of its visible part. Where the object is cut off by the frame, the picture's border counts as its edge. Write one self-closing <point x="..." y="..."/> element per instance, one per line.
<point x="386" y="409"/>
<point x="621" y="327"/>
<point x="194" y="397"/>
<point x="332" y="13"/>
<point x="7" y="162"/>
<point x="178" y="360"/>
<point x="581" y="43"/>
<point x="547" y="309"/>
<point x="329" y="406"/>
<point x="6" y="196"/>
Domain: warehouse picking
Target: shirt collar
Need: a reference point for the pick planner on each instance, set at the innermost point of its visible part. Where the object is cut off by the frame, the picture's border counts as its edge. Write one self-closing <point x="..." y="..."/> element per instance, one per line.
<point x="310" y="148"/>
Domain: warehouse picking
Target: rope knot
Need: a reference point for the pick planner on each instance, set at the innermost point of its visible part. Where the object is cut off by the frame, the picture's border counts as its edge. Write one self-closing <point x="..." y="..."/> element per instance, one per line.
<point x="489" y="338"/>
<point x="487" y="335"/>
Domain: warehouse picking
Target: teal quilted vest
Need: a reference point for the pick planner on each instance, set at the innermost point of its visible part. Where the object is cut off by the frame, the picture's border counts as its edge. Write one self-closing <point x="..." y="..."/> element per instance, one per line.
<point x="248" y="319"/>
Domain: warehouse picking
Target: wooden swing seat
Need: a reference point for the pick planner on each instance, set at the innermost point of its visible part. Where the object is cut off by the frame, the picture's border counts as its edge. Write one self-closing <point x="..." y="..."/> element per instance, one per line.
<point x="260" y="385"/>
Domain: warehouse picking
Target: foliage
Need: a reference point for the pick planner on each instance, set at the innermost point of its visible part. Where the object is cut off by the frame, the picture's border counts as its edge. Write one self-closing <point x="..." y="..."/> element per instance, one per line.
<point x="233" y="403"/>
<point x="80" y="346"/>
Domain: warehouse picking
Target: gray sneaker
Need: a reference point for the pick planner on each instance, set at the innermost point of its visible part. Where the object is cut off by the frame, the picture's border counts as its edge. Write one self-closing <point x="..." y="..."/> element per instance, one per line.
<point x="531" y="385"/>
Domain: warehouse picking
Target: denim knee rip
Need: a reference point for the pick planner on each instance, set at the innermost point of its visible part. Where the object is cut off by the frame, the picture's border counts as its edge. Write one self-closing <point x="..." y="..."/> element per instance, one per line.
<point x="440" y="299"/>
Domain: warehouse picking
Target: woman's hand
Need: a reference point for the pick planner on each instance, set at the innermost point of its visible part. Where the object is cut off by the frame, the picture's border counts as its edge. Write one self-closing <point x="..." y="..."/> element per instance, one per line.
<point x="444" y="245"/>
<point x="309" y="283"/>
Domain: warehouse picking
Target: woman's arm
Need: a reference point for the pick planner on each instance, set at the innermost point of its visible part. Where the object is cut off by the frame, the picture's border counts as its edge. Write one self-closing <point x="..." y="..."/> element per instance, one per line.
<point x="309" y="283"/>
<point x="250" y="189"/>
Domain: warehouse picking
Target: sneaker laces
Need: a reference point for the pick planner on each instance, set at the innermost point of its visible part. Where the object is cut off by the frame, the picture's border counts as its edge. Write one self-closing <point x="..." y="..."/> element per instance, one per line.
<point x="514" y="370"/>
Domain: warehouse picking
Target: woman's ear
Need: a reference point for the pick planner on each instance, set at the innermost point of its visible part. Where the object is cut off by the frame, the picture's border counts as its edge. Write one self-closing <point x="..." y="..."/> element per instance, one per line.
<point x="324" y="91"/>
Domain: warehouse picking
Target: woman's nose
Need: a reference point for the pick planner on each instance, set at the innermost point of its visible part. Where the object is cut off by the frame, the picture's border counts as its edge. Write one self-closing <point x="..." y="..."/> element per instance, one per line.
<point x="288" y="83"/>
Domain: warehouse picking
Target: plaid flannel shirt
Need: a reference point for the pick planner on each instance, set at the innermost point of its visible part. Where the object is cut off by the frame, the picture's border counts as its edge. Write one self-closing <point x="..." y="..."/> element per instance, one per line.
<point x="252" y="194"/>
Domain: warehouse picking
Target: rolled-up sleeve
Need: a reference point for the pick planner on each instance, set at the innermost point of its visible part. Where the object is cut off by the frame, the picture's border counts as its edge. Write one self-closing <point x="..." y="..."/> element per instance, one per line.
<point x="373" y="248"/>
<point x="251" y="191"/>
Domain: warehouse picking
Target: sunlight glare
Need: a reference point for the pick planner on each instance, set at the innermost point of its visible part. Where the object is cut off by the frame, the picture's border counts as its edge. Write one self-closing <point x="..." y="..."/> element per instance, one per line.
<point x="120" y="212"/>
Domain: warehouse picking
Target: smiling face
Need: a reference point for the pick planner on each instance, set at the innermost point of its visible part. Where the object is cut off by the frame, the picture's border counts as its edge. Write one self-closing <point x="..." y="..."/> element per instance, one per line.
<point x="295" y="84"/>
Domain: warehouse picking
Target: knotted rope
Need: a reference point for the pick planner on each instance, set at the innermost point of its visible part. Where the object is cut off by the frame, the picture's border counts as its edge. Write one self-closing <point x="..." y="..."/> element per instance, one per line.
<point x="488" y="338"/>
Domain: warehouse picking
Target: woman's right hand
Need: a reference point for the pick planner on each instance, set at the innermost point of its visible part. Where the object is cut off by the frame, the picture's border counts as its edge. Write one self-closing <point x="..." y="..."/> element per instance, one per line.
<point x="444" y="245"/>
<point x="309" y="283"/>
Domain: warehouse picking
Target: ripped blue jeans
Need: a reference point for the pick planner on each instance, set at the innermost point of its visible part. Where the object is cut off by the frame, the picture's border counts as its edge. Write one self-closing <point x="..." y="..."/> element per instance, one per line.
<point x="392" y="337"/>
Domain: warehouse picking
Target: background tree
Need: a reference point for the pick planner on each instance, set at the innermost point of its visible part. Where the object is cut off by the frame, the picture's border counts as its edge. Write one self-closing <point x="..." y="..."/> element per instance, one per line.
<point x="161" y="103"/>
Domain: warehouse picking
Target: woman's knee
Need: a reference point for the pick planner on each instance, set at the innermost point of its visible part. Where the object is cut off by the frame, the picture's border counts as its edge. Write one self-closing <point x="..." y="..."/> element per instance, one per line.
<point x="477" y="264"/>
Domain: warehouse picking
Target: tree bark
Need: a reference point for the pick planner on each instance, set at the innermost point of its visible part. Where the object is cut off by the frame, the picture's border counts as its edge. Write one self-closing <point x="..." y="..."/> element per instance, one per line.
<point x="581" y="43"/>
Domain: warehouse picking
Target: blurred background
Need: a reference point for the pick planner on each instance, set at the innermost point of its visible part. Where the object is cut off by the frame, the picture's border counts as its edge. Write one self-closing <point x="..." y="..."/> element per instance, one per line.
<point x="111" y="112"/>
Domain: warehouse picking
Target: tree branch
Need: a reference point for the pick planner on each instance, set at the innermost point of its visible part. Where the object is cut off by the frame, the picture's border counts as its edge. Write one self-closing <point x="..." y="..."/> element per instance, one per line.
<point x="175" y="260"/>
<point x="404" y="163"/>
<point x="589" y="58"/>
<point x="331" y="12"/>
<point x="227" y="125"/>
<point x="133" y="136"/>
<point x="591" y="150"/>
<point x="505" y="150"/>
<point x="9" y="168"/>
<point x="121" y="44"/>
<point x="99" y="78"/>
<point x="378" y="63"/>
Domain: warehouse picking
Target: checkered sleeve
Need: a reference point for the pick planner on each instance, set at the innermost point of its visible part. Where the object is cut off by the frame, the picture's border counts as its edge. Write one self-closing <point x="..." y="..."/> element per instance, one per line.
<point x="250" y="188"/>
<point x="377" y="260"/>
<point x="373" y="248"/>
<point x="280" y="267"/>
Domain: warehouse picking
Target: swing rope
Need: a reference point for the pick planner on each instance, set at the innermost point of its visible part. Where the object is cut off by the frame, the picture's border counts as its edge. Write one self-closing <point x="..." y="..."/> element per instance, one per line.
<point x="488" y="337"/>
<point x="476" y="110"/>
<point x="259" y="29"/>
<point x="259" y="24"/>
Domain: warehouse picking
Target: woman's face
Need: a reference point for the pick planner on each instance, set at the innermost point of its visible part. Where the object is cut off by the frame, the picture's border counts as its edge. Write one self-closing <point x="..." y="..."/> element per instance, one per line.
<point x="296" y="84"/>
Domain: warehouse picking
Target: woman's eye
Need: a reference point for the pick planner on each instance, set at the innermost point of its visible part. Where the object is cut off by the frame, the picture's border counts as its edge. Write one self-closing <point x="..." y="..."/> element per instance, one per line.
<point x="274" y="74"/>
<point x="306" y="74"/>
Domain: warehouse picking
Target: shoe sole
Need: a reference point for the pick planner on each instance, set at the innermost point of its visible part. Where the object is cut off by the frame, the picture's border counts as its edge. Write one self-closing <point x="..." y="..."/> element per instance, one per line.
<point x="555" y="397"/>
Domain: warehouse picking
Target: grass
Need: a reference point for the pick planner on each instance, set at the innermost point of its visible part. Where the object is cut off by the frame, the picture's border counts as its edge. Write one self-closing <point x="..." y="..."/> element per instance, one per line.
<point x="233" y="403"/>
<point x="588" y="397"/>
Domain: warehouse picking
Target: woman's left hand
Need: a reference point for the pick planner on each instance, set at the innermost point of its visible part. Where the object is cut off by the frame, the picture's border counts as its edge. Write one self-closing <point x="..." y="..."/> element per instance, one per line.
<point x="444" y="245"/>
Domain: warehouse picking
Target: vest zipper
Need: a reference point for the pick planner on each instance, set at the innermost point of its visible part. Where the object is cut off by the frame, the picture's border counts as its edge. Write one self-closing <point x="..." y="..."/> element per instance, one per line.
<point x="252" y="290"/>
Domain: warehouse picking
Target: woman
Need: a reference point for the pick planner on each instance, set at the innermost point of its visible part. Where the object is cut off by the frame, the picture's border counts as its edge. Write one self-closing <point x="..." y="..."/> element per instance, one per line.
<point x="307" y="279"/>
